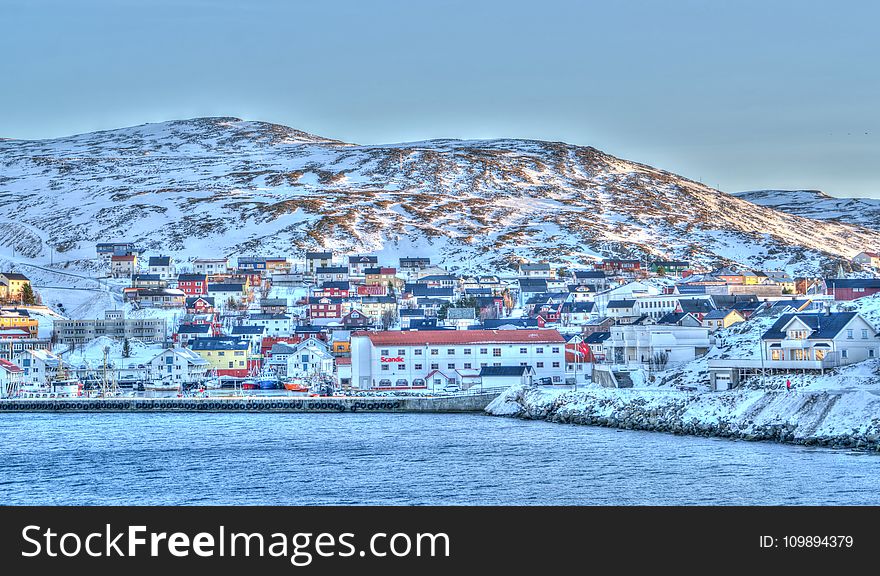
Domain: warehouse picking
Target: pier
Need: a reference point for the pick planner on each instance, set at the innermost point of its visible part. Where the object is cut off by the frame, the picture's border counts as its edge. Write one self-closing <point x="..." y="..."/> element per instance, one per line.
<point x="304" y="404"/>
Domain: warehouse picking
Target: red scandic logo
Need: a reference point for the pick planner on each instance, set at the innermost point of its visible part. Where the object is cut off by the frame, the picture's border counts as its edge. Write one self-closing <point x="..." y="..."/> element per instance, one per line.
<point x="391" y="359"/>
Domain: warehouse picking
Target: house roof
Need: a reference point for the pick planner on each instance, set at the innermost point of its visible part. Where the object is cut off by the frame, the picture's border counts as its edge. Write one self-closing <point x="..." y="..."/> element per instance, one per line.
<point x="185" y="353"/>
<point x="823" y="325"/>
<point x="146" y="278"/>
<point x="191" y="301"/>
<point x="160" y="261"/>
<point x="597" y="337"/>
<point x="337" y="284"/>
<point x="717" y="314"/>
<point x="192" y="277"/>
<point x="532" y="285"/>
<point x="589" y="274"/>
<point x="268" y="316"/>
<point x="236" y="330"/>
<point x="441" y="337"/>
<point x="363" y="259"/>
<point x="621" y="304"/>
<point x="796" y="304"/>
<point x="273" y="302"/>
<point x="331" y="270"/>
<point x="504" y="370"/>
<point x="219" y="343"/>
<point x="193" y="328"/>
<point x="696" y="306"/>
<point x="534" y="266"/>
<point x="226" y="287"/>
<point x="411" y="312"/>
<point x="577" y="307"/>
<point x="123" y="258"/>
<point x="673" y="318"/>
<point x="831" y="283"/>
<point x="461" y="314"/>
<point x="319" y="255"/>
<point x="497" y="323"/>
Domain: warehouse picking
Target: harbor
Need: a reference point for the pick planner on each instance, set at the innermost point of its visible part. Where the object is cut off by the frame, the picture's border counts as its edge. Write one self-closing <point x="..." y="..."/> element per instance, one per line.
<point x="465" y="402"/>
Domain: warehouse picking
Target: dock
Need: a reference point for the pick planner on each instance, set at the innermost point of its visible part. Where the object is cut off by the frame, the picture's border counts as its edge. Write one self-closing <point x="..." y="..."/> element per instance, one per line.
<point x="310" y="404"/>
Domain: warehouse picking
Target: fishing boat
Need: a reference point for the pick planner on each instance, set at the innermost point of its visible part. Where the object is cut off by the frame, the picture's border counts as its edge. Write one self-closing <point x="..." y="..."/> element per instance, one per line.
<point x="162" y="386"/>
<point x="249" y="384"/>
<point x="267" y="380"/>
<point x="296" y="385"/>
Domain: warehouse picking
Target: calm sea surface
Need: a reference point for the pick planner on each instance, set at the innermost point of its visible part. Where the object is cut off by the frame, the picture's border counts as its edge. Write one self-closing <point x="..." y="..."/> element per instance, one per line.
<point x="402" y="459"/>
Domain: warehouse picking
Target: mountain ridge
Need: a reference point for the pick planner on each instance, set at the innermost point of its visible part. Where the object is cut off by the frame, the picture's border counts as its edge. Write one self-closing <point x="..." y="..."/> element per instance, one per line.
<point x="227" y="186"/>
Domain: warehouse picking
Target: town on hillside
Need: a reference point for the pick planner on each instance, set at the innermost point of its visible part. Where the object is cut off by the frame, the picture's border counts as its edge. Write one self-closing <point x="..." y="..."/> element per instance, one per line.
<point x="329" y="323"/>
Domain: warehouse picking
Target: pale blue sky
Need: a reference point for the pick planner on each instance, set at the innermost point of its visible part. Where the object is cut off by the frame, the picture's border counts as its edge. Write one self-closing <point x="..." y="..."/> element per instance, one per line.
<point x="740" y="95"/>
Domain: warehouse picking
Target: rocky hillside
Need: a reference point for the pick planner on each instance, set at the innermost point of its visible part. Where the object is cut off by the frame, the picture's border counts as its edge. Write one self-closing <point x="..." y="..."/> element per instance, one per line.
<point x="816" y="204"/>
<point x="227" y="186"/>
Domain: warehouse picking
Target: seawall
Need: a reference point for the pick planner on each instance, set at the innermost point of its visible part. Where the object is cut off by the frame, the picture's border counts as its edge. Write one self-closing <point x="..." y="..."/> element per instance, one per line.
<point x="462" y="403"/>
<point x="840" y="419"/>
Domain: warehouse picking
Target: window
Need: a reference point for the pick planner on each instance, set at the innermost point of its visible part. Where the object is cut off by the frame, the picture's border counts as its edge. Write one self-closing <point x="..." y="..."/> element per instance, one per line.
<point x="451" y="366"/>
<point x="384" y="352"/>
<point x="523" y="363"/>
<point x="450" y="351"/>
<point x="844" y="354"/>
<point x="435" y="366"/>
<point x="497" y="364"/>
<point x="467" y="351"/>
<point x="417" y="366"/>
<point x="556" y="349"/>
<point x="417" y="351"/>
<point x="401" y="366"/>
<point x="496" y="352"/>
<point x="467" y="365"/>
<point x="401" y="352"/>
<point x="870" y="352"/>
<point x="556" y="364"/>
<point x="849" y="334"/>
<point x="385" y="367"/>
<point x="230" y="364"/>
<point x="539" y="364"/>
<point x="483" y="364"/>
<point x="434" y="351"/>
<point x="523" y="350"/>
<point x="539" y="350"/>
<point x="484" y="350"/>
<point x="864" y="334"/>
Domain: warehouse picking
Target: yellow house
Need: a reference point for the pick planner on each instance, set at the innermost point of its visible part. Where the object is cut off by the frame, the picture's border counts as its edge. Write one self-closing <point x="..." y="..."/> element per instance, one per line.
<point x="718" y="319"/>
<point x="19" y="319"/>
<point x="753" y="278"/>
<point x="341" y="347"/>
<point x="376" y="306"/>
<point x="225" y="356"/>
<point x="14" y="284"/>
<point x="382" y="276"/>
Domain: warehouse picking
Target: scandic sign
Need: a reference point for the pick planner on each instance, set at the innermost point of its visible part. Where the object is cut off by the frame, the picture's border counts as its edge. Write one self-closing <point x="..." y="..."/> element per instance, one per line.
<point x="391" y="359"/>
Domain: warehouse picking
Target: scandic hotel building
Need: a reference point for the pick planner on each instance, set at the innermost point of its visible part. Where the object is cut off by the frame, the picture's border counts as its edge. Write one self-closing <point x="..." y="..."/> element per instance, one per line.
<point x="432" y="358"/>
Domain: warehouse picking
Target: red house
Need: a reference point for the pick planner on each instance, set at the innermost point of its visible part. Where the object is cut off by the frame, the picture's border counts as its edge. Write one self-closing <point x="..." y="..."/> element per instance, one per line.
<point x="325" y="307"/>
<point x="332" y="290"/>
<point x="193" y="284"/>
<point x="851" y="288"/>
<point x="200" y="305"/>
<point x="616" y="265"/>
<point x="372" y="290"/>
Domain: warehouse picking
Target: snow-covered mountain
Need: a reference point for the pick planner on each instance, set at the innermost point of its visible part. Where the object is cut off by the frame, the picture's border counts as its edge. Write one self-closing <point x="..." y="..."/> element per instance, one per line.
<point x="212" y="186"/>
<point x="816" y="204"/>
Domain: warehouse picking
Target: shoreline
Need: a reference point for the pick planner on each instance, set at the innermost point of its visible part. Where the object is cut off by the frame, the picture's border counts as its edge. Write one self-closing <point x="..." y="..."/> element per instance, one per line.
<point x="320" y="404"/>
<point x="842" y="419"/>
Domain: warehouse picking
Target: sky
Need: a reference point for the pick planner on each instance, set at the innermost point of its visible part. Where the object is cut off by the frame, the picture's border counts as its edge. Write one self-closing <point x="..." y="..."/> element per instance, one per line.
<point x="739" y="95"/>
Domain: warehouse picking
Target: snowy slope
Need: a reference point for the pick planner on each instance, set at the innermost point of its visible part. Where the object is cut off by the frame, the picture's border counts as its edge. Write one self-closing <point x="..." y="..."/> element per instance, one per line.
<point x="214" y="186"/>
<point x="818" y="205"/>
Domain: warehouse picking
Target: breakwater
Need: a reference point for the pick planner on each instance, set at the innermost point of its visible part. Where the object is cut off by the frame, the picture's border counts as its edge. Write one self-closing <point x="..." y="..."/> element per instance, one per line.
<point x="837" y="419"/>
<point x="461" y="403"/>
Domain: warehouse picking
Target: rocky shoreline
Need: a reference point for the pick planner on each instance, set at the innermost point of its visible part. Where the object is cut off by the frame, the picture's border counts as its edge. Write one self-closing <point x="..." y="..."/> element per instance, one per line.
<point x="835" y="419"/>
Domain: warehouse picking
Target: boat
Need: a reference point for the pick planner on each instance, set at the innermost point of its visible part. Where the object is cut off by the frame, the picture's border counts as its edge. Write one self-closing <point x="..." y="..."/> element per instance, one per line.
<point x="249" y="384"/>
<point x="162" y="386"/>
<point x="267" y="381"/>
<point x="296" y="385"/>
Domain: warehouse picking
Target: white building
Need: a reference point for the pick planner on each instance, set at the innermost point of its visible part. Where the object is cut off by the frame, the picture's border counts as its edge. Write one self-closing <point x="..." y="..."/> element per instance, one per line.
<point x="658" y="305"/>
<point x="254" y="334"/>
<point x="629" y="291"/>
<point x="648" y="345"/>
<point x="162" y="266"/>
<point x="273" y="324"/>
<point x="506" y="376"/>
<point x="820" y="340"/>
<point x="210" y="266"/>
<point x="10" y="378"/>
<point x="178" y="365"/>
<point x="437" y="358"/>
<point x="311" y="357"/>
<point x="38" y="366"/>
